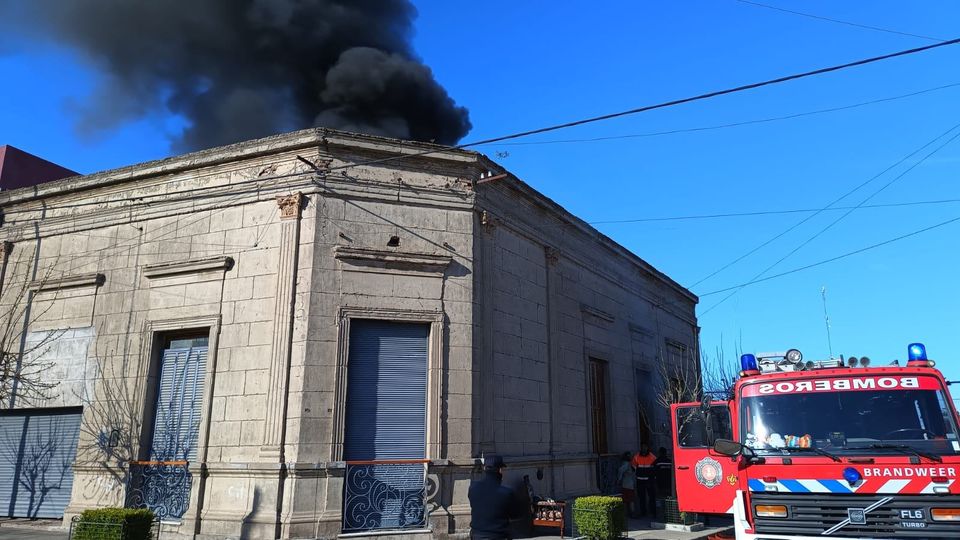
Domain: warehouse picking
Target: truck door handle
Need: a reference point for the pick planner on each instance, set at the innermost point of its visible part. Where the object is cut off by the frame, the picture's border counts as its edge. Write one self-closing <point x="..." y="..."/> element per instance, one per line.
<point x="682" y="467"/>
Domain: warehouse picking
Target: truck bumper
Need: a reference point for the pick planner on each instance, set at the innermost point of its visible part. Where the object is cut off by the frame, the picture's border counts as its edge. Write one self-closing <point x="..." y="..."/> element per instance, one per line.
<point x="742" y="525"/>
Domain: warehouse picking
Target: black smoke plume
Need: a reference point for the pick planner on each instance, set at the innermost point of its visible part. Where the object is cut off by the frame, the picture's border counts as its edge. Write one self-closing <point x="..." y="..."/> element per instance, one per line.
<point x="241" y="69"/>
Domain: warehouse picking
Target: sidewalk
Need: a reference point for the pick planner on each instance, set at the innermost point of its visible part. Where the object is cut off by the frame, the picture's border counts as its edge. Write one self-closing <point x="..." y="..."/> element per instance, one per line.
<point x="640" y="528"/>
<point x="24" y="529"/>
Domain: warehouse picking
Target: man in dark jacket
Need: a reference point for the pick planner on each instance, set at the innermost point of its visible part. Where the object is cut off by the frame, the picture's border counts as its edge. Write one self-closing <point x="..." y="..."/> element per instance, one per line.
<point x="492" y="504"/>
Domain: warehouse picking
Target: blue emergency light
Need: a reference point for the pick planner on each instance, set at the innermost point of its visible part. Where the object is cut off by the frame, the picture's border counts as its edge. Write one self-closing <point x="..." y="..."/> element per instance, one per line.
<point x="748" y="362"/>
<point x="917" y="356"/>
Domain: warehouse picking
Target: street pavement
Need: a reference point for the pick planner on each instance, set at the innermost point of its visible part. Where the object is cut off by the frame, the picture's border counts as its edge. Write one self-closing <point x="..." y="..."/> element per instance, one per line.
<point x="641" y="529"/>
<point x="637" y="528"/>
<point x="17" y="533"/>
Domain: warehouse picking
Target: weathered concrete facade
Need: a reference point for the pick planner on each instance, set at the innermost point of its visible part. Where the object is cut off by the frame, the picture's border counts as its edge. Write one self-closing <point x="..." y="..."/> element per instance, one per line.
<point x="270" y="249"/>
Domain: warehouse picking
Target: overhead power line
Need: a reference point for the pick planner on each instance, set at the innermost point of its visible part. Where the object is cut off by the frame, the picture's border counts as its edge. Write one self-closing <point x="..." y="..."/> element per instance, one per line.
<point x="663" y="105"/>
<point x="772" y="212"/>
<point x="831" y="224"/>
<point x="638" y="110"/>
<point x="143" y="200"/>
<point x="732" y="124"/>
<point x="833" y="259"/>
<point x="840" y="21"/>
<point x="815" y="214"/>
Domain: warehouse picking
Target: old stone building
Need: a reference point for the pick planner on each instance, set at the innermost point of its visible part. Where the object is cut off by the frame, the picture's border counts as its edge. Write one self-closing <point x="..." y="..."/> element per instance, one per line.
<point x="318" y="333"/>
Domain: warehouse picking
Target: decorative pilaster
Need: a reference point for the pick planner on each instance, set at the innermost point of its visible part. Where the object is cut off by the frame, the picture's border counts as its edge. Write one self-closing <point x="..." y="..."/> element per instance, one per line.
<point x="283" y="327"/>
<point x="484" y="430"/>
<point x="290" y="206"/>
<point x="551" y="259"/>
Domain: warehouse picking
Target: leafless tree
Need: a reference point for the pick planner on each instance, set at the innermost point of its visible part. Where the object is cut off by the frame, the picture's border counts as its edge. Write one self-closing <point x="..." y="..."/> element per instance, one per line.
<point x="23" y="361"/>
<point x="719" y="374"/>
<point x="119" y="419"/>
<point x="681" y="376"/>
<point x="113" y="420"/>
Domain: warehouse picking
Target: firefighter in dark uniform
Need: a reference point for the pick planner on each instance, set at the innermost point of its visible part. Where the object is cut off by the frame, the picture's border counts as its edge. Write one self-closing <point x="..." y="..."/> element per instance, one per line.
<point x="646" y="481"/>
<point x="664" y="468"/>
<point x="492" y="504"/>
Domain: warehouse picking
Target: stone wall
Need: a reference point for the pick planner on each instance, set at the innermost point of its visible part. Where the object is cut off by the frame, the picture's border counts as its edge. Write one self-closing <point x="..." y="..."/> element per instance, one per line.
<point x="556" y="294"/>
<point x="272" y="247"/>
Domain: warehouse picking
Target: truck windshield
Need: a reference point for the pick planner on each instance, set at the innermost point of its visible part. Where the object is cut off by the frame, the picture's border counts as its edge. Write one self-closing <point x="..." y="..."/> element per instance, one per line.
<point x="844" y="416"/>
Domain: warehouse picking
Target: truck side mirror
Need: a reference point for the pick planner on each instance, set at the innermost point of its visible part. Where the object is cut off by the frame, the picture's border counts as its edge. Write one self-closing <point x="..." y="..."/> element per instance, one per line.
<point x="727" y="447"/>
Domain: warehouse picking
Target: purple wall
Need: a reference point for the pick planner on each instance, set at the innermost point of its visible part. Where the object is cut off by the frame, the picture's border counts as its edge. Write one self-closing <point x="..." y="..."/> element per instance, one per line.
<point x="19" y="169"/>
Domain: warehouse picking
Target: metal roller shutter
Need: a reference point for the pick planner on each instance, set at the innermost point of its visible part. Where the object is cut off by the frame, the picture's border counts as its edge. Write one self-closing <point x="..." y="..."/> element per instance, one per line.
<point x="178" y="404"/>
<point x="386" y="391"/>
<point x="37" y="450"/>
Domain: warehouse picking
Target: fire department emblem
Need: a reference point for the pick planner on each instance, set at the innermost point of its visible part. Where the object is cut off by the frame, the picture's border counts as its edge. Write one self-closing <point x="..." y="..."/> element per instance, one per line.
<point x="732" y="479"/>
<point x="709" y="472"/>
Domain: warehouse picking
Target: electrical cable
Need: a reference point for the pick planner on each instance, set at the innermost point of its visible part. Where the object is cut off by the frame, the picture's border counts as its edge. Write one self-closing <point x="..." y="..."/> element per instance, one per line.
<point x="815" y="214"/>
<point x="829" y="226"/>
<point x="143" y="200"/>
<point x="628" y="112"/>
<point x="662" y="105"/>
<point x="731" y="124"/>
<point x="839" y="21"/>
<point x="133" y="242"/>
<point x="637" y="110"/>
<point x="833" y="259"/>
<point x="772" y="212"/>
<point x="155" y="195"/>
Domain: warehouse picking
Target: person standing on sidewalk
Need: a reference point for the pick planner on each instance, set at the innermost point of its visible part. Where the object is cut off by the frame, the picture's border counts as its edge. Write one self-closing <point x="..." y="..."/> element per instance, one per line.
<point x="664" y="468"/>
<point x="646" y="481"/>
<point x="492" y="504"/>
<point x="627" y="478"/>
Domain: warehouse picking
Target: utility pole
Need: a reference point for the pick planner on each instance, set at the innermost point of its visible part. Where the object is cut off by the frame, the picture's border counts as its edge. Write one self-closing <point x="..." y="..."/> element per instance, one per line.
<point x="826" y="319"/>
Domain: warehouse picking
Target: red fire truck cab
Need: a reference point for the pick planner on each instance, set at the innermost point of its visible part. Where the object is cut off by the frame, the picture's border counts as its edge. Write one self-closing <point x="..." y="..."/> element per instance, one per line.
<point x="808" y="450"/>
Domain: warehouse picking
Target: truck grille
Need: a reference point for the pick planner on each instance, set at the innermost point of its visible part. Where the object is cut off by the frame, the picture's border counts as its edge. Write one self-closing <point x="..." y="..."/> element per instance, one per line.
<point x="813" y="514"/>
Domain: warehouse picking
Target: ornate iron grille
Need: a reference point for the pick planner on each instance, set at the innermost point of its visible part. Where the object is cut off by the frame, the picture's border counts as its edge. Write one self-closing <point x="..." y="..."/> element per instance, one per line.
<point x="385" y="495"/>
<point x="161" y="486"/>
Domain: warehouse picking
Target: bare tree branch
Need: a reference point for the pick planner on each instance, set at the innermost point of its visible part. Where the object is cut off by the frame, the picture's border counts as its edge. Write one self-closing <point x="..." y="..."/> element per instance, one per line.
<point x="24" y="362"/>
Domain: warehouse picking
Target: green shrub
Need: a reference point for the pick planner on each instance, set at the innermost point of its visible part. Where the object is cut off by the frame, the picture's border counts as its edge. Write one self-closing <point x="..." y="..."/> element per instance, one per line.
<point x="113" y="524"/>
<point x="599" y="517"/>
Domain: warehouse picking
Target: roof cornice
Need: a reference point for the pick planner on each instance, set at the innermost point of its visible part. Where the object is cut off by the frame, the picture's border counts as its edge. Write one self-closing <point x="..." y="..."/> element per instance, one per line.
<point x="371" y="145"/>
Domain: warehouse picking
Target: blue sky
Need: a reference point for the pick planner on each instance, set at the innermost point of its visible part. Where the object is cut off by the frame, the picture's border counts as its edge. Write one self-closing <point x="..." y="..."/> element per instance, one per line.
<point x="521" y="65"/>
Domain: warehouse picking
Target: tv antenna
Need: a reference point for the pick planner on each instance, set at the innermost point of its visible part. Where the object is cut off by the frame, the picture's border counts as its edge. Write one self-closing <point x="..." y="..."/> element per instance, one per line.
<point x="826" y="319"/>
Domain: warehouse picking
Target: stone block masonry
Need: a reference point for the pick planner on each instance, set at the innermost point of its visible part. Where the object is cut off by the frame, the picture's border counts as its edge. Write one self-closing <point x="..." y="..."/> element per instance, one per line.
<point x="273" y="265"/>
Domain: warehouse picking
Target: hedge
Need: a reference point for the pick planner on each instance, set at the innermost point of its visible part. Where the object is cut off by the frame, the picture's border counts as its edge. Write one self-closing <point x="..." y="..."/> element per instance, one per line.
<point x="113" y="524"/>
<point x="599" y="517"/>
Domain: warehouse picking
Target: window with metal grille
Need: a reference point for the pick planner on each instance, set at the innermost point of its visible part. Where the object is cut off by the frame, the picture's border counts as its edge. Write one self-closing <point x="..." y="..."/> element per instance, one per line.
<point x="385" y="434"/>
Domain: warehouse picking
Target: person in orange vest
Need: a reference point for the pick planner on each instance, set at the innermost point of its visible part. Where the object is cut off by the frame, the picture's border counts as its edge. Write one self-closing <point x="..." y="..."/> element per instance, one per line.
<point x="646" y="480"/>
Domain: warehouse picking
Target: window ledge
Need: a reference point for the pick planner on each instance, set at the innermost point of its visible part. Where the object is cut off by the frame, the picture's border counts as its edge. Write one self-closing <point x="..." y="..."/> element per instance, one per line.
<point x="193" y="266"/>
<point x="426" y="262"/>
<point x="67" y="282"/>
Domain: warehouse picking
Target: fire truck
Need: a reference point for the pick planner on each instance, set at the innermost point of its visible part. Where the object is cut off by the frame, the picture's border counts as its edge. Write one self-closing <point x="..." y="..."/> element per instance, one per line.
<point x="831" y="448"/>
